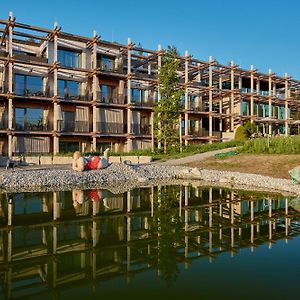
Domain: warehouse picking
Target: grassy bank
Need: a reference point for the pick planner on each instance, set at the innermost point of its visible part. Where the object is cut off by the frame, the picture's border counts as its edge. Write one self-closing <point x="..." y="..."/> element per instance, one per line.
<point x="174" y="152"/>
<point x="273" y="145"/>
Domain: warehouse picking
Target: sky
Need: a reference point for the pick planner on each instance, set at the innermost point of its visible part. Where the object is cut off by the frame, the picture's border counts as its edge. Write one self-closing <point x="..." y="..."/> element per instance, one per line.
<point x="264" y="33"/>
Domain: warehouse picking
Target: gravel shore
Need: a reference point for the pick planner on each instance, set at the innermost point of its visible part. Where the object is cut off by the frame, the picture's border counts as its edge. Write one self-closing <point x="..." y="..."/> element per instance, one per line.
<point x="121" y="177"/>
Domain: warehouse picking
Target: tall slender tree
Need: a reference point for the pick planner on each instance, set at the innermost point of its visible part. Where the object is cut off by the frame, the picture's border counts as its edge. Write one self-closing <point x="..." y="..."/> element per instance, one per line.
<point x="167" y="110"/>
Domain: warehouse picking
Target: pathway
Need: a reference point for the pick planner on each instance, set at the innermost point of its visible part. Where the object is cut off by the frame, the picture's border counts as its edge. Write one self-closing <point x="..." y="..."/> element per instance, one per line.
<point x="193" y="158"/>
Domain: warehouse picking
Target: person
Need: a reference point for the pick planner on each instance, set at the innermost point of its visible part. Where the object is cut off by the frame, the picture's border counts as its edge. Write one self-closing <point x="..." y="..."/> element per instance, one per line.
<point x="97" y="196"/>
<point x="81" y="163"/>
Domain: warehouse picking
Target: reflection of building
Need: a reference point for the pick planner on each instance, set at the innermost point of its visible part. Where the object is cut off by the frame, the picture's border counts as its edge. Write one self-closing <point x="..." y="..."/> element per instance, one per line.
<point x="61" y="92"/>
<point x="46" y="245"/>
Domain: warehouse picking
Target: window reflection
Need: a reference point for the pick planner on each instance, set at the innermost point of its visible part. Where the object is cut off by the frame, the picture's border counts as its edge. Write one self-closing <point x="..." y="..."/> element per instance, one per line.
<point x="28" y="85"/>
<point x="68" y="58"/>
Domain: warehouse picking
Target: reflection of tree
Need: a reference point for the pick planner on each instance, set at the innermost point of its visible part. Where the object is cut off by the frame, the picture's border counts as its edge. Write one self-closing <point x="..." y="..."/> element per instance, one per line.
<point x="166" y="224"/>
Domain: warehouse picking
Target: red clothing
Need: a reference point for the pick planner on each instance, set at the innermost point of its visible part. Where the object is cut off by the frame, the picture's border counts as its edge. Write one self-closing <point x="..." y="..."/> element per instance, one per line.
<point x="94" y="195"/>
<point x="93" y="163"/>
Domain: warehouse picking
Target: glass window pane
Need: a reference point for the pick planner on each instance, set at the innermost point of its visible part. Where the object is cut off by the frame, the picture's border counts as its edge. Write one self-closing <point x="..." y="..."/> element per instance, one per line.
<point x="19" y="84"/>
<point x="69" y="58"/>
<point x="73" y="89"/>
<point x="61" y="88"/>
<point x="19" y="118"/>
<point x="34" y="85"/>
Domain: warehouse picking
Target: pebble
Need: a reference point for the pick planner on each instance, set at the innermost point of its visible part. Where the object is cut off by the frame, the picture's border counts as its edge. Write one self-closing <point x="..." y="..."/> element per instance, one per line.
<point x="121" y="177"/>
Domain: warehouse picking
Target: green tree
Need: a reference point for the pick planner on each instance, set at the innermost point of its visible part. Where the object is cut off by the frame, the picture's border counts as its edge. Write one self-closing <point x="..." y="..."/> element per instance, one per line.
<point x="167" y="110"/>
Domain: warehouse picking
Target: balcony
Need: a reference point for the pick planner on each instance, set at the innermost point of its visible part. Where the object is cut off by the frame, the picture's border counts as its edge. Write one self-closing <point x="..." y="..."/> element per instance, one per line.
<point x="115" y="98"/>
<point x="73" y="126"/>
<point x="30" y="58"/>
<point x="109" y="67"/>
<point x="139" y="129"/>
<point x="111" y="128"/>
<point x="75" y="94"/>
<point x="141" y="75"/>
<point x="142" y="103"/>
<point x="201" y="132"/>
<point x="263" y="93"/>
<point x="32" y="91"/>
<point x="195" y="107"/>
<point x="30" y="125"/>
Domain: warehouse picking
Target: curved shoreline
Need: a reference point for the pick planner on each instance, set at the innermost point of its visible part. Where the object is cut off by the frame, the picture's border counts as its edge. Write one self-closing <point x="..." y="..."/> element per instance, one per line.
<point x="122" y="177"/>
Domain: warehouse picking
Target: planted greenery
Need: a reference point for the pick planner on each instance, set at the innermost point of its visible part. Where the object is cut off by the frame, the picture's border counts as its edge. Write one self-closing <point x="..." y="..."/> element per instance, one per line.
<point x="244" y="132"/>
<point x="273" y="145"/>
<point x="174" y="151"/>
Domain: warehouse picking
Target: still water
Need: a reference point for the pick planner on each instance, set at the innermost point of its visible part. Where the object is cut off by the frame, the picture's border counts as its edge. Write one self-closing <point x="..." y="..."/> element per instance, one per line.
<point x="165" y="242"/>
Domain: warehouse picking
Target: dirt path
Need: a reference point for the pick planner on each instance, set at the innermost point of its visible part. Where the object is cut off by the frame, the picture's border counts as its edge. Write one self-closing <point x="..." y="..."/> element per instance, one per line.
<point x="194" y="158"/>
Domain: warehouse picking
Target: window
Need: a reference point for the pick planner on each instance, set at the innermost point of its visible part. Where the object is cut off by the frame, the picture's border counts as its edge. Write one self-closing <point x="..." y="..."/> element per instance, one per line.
<point x="245" y="108"/>
<point x="107" y="63"/>
<point x="69" y="58"/>
<point x="28" y="85"/>
<point x="29" y="119"/>
<point x="107" y="92"/>
<point x="135" y="95"/>
<point x="68" y="89"/>
<point x="68" y="121"/>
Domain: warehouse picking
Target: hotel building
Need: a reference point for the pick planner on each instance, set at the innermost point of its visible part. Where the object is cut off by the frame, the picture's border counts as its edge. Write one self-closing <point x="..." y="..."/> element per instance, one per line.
<point x="60" y="92"/>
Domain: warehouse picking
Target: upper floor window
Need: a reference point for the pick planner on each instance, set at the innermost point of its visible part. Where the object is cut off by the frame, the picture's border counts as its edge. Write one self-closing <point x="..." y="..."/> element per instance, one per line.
<point x="28" y="85"/>
<point x="29" y="119"/>
<point x="107" y="92"/>
<point x="107" y="63"/>
<point x="137" y="95"/>
<point x="68" y="89"/>
<point x="69" y="58"/>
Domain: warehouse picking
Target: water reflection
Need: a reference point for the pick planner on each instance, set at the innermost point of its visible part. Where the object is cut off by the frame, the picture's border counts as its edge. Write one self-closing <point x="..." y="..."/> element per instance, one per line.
<point x="51" y="240"/>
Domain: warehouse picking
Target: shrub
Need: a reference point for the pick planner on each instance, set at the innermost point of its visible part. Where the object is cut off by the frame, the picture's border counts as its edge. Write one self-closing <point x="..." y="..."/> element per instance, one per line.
<point x="241" y="134"/>
<point x="250" y="128"/>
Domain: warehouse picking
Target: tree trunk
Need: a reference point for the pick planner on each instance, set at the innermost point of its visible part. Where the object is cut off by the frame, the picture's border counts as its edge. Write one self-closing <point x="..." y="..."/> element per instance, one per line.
<point x="165" y="146"/>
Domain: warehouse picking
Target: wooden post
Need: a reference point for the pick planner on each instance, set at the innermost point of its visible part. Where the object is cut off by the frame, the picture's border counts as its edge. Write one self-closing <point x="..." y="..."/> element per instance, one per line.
<point x="210" y="104"/>
<point x="232" y="96"/>
<point x="252" y="93"/>
<point x="186" y="97"/>
<point x="94" y="91"/>
<point x="159" y="59"/>
<point x="270" y="101"/>
<point x="286" y="105"/>
<point x="129" y="111"/>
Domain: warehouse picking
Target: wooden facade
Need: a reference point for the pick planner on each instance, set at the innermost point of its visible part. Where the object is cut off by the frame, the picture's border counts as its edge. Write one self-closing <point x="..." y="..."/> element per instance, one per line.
<point x="74" y="92"/>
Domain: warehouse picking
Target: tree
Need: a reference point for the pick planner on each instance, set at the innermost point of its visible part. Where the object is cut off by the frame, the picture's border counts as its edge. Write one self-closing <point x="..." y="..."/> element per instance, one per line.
<point x="167" y="110"/>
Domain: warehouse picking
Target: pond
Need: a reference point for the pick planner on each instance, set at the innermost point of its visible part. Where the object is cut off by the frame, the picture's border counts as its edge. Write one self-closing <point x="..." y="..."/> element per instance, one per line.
<point x="163" y="242"/>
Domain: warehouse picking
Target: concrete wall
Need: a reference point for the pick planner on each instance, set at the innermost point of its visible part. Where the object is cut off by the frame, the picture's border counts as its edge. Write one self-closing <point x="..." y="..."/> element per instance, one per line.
<point x="63" y="160"/>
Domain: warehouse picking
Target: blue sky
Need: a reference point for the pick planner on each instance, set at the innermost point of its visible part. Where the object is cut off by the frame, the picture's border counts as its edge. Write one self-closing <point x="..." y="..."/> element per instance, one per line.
<point x="264" y="33"/>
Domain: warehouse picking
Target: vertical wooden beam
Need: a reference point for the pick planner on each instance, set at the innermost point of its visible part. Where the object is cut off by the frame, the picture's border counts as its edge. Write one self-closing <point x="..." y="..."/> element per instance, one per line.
<point x="10" y="85"/>
<point x="286" y="105"/>
<point x="220" y="102"/>
<point x="186" y="96"/>
<point x="252" y="93"/>
<point x="232" y="96"/>
<point x="56" y="106"/>
<point x="159" y="60"/>
<point x="210" y="99"/>
<point x="94" y="91"/>
<point x="129" y="111"/>
<point x="270" y="101"/>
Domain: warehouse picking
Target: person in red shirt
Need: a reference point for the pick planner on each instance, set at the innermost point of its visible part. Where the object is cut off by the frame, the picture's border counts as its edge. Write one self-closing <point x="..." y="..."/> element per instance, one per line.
<point x="81" y="163"/>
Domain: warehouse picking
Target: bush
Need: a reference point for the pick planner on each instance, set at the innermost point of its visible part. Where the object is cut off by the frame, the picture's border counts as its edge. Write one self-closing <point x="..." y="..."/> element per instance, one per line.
<point x="250" y="128"/>
<point x="241" y="134"/>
